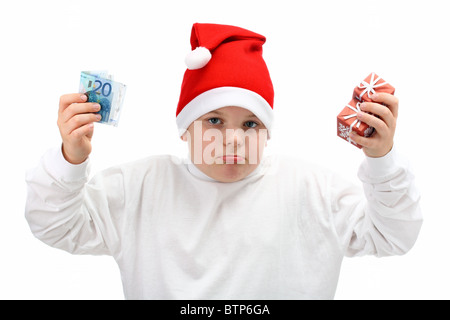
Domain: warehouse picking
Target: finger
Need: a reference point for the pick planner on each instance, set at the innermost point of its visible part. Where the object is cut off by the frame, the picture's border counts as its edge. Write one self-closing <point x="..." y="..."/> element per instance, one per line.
<point x="79" y="108"/>
<point x="380" y="110"/>
<point x="387" y="99"/>
<point x="80" y="120"/>
<point x="67" y="99"/>
<point x="85" y="130"/>
<point x="356" y="138"/>
<point x="362" y="141"/>
<point x="372" y="121"/>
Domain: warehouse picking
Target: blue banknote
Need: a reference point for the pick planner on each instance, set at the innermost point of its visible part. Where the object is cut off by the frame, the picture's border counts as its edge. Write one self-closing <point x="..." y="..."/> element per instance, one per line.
<point x="100" y="87"/>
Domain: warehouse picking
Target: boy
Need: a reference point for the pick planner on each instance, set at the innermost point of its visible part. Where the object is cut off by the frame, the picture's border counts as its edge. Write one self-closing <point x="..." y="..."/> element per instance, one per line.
<point x="229" y="223"/>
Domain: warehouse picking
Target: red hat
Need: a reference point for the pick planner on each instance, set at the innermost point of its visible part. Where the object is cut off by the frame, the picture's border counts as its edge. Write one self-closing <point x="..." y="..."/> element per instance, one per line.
<point x="225" y="68"/>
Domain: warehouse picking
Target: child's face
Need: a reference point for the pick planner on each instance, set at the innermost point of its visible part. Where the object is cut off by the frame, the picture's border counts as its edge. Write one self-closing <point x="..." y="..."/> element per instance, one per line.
<point x="227" y="144"/>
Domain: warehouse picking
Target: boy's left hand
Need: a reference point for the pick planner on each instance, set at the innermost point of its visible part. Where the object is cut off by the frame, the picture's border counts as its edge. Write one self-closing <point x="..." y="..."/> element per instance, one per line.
<point x="382" y="140"/>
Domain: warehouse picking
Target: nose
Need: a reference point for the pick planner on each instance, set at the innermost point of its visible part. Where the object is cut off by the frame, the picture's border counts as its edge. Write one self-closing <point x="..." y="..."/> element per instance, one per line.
<point x="234" y="138"/>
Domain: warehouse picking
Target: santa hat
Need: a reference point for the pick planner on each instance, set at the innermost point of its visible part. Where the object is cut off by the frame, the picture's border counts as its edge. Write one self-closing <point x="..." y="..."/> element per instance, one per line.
<point x="225" y="68"/>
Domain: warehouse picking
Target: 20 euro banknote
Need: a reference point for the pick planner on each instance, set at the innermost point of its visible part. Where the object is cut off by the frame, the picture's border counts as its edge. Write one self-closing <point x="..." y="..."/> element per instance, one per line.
<point x="100" y="87"/>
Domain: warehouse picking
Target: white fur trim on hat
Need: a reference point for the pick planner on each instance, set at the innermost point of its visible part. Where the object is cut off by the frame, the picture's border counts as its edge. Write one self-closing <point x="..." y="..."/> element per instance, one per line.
<point x="225" y="97"/>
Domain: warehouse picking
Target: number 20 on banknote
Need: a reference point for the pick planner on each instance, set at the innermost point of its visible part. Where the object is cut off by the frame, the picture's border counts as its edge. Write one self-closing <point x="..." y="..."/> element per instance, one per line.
<point x="100" y="88"/>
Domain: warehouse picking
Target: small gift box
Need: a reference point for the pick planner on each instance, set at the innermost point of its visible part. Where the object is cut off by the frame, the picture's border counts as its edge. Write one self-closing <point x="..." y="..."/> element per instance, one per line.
<point x="347" y="121"/>
<point x="370" y="85"/>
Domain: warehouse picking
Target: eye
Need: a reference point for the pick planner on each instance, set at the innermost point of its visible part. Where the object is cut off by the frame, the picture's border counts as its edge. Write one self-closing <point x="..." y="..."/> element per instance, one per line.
<point x="214" y="121"/>
<point x="250" y="124"/>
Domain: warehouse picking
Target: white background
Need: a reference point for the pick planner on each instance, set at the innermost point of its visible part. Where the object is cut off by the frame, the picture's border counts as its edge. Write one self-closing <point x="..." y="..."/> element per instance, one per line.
<point x="317" y="51"/>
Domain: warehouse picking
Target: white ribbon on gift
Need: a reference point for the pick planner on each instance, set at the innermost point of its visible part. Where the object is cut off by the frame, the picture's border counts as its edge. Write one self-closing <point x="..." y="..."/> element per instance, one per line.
<point x="356" y="123"/>
<point x="370" y="87"/>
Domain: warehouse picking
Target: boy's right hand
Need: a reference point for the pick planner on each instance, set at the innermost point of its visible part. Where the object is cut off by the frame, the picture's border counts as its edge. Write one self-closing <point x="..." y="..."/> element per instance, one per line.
<point x="76" y="119"/>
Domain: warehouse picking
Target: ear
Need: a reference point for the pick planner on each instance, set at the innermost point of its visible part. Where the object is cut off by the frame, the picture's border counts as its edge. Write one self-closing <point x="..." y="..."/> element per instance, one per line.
<point x="184" y="137"/>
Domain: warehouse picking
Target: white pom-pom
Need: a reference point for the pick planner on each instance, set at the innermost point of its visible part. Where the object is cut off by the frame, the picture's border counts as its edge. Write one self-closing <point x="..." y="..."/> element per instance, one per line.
<point x="197" y="58"/>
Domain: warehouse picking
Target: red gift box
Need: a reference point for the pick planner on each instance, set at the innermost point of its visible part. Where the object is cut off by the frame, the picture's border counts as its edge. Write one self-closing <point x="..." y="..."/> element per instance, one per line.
<point x="346" y="119"/>
<point x="347" y="122"/>
<point x="370" y="85"/>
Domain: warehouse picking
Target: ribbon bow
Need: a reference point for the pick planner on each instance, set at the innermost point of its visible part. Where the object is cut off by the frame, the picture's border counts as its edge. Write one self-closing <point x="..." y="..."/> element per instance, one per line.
<point x="370" y="87"/>
<point x="353" y="115"/>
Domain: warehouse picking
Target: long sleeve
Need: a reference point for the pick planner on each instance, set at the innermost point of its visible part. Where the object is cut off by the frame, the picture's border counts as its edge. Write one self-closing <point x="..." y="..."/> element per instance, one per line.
<point x="388" y="219"/>
<point x="62" y="210"/>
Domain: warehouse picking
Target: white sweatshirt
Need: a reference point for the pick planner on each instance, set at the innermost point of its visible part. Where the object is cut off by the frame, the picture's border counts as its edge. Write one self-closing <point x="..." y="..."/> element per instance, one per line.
<point x="281" y="233"/>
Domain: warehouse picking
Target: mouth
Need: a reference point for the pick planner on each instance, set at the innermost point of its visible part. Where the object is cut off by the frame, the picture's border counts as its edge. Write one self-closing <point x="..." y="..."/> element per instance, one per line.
<point x="231" y="159"/>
